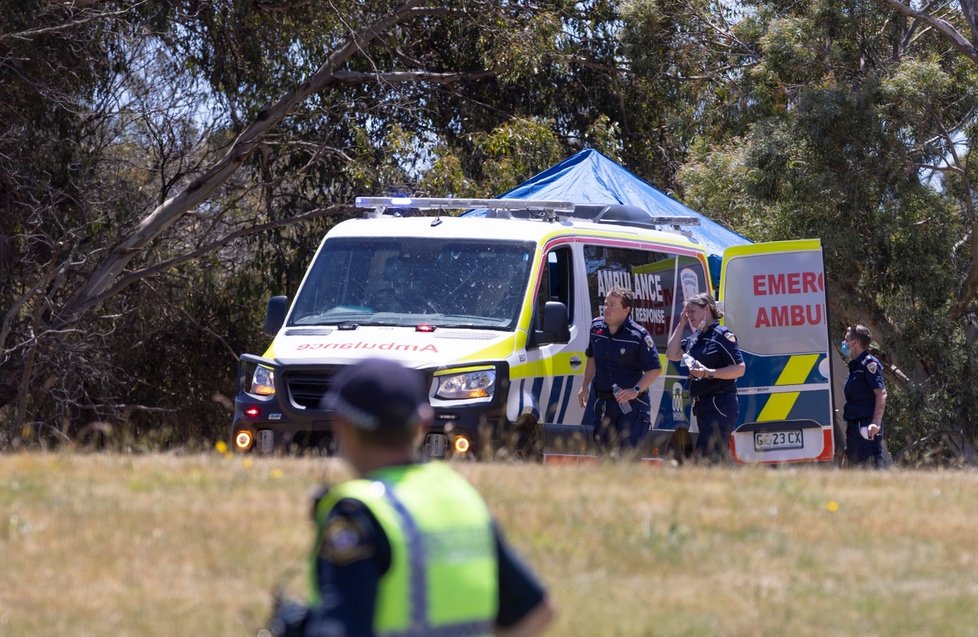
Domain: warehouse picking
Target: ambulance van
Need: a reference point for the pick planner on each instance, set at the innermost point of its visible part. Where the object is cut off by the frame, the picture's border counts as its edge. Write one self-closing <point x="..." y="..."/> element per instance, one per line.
<point x="494" y="309"/>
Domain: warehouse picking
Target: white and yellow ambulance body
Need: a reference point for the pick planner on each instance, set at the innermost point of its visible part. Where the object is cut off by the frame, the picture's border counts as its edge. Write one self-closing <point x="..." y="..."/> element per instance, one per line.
<point x="495" y="311"/>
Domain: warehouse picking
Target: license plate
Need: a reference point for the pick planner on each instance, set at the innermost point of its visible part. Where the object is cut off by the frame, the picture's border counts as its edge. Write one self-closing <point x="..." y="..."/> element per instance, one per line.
<point x="435" y="445"/>
<point x="265" y="440"/>
<point x="771" y="440"/>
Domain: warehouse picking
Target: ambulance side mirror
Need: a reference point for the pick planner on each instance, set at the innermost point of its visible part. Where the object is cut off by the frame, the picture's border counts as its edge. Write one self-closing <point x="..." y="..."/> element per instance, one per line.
<point x="275" y="314"/>
<point x="553" y="327"/>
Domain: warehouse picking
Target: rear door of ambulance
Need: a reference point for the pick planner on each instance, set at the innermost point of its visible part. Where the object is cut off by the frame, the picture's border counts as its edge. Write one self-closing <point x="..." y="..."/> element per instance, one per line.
<point x="774" y="301"/>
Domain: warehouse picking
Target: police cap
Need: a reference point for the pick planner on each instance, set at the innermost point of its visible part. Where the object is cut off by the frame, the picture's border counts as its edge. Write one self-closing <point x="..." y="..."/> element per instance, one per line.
<point x="378" y="394"/>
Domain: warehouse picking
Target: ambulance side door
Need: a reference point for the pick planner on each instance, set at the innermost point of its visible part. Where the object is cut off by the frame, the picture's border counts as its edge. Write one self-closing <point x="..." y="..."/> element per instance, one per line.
<point x="549" y="389"/>
<point x="773" y="297"/>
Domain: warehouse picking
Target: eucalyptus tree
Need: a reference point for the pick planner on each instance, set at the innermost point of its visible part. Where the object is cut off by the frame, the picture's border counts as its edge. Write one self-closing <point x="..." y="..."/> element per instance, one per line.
<point x="852" y="123"/>
<point x="157" y="156"/>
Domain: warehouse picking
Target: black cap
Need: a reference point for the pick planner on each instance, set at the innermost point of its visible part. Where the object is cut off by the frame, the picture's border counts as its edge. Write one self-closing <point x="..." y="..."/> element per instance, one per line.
<point x="378" y="393"/>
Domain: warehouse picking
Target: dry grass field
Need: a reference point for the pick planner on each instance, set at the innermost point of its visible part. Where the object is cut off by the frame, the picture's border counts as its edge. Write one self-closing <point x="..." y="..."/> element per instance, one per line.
<point x="193" y="545"/>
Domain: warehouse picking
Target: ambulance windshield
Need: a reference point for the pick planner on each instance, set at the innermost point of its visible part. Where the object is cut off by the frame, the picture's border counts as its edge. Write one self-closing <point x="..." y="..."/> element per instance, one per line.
<point x="410" y="280"/>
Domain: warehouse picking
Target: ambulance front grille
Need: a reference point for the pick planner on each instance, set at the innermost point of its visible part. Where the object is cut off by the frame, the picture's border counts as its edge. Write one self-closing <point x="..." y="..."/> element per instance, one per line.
<point x="306" y="389"/>
<point x="309" y="331"/>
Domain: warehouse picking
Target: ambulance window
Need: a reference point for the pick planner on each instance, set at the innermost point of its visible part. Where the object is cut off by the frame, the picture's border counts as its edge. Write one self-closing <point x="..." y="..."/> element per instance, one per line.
<point x="650" y="274"/>
<point x="557" y="282"/>
<point x="691" y="279"/>
<point x="449" y="283"/>
<point x="323" y="289"/>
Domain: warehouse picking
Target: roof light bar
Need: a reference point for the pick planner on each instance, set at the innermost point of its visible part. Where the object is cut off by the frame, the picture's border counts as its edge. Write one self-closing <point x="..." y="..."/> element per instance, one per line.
<point x="675" y="221"/>
<point x="450" y="203"/>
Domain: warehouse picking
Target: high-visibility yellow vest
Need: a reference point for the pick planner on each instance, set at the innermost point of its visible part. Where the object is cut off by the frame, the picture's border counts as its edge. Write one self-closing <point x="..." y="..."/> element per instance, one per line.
<point x="443" y="577"/>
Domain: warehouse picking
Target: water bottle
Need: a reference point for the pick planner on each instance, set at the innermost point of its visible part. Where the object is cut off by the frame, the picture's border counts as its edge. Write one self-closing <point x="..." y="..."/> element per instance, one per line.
<point x="689" y="361"/>
<point x="626" y="407"/>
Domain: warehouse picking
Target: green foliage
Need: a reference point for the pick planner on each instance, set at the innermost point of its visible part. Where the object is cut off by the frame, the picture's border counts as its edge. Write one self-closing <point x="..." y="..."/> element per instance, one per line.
<point x="516" y="150"/>
<point x="912" y="92"/>
<point x="715" y="178"/>
<point x="790" y="54"/>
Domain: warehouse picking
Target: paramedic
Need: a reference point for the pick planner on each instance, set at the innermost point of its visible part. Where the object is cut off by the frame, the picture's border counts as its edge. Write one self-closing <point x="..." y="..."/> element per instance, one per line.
<point x="622" y="363"/>
<point x="865" y="401"/>
<point x="715" y="363"/>
<point x="408" y="547"/>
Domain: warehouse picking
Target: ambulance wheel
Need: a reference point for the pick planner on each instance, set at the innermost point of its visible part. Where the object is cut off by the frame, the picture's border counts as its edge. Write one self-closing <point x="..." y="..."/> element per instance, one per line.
<point x="680" y="445"/>
<point x="528" y="439"/>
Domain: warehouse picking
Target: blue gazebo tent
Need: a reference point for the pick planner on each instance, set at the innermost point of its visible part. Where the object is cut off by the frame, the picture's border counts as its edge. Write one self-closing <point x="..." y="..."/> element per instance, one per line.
<point x="588" y="177"/>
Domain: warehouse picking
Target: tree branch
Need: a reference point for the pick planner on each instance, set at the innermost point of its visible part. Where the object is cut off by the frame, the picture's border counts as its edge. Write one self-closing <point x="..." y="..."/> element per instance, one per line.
<point x="411" y="76"/>
<point x="87" y="16"/>
<point x="970" y="10"/>
<point x="957" y="40"/>
<point x="171" y="210"/>
<point x="132" y="277"/>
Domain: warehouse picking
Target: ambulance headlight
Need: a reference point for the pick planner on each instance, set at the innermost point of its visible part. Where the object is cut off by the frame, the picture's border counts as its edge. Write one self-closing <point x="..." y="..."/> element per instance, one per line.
<point x="263" y="382"/>
<point x="461" y="386"/>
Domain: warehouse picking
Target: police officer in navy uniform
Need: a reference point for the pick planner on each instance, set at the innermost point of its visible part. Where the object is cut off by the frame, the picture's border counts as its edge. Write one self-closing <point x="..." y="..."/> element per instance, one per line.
<point x="865" y="401"/>
<point x="622" y="363"/>
<point x="715" y="362"/>
<point x="407" y="548"/>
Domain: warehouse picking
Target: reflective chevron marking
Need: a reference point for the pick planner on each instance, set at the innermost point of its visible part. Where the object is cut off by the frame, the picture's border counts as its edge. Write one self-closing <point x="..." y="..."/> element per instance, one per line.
<point x="794" y="373"/>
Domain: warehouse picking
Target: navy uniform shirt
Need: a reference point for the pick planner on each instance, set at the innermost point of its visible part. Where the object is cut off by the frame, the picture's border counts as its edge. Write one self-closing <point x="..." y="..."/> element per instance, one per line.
<point x="355" y="553"/>
<point x="621" y="358"/>
<point x="865" y="376"/>
<point x="714" y="347"/>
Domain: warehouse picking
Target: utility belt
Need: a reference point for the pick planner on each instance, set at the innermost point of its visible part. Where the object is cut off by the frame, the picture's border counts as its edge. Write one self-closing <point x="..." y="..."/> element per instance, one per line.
<point x="696" y="399"/>
<point x="609" y="395"/>
<point x="854" y="426"/>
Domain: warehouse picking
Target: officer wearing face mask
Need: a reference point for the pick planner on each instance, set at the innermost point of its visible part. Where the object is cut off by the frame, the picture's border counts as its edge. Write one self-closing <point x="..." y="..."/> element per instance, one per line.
<point x="714" y="360"/>
<point x="865" y="401"/>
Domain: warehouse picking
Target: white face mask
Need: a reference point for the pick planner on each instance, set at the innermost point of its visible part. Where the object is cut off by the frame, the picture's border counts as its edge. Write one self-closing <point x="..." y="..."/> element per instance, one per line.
<point x="698" y="325"/>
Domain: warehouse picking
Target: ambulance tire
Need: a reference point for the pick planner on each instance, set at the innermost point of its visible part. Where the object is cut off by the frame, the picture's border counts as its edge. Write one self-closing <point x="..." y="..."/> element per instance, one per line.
<point x="322" y="445"/>
<point x="528" y="439"/>
<point x="680" y="445"/>
<point x="305" y="443"/>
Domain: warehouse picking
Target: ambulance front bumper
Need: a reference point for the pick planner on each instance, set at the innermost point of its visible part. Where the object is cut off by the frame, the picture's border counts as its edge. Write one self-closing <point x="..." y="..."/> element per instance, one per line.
<point x="293" y="415"/>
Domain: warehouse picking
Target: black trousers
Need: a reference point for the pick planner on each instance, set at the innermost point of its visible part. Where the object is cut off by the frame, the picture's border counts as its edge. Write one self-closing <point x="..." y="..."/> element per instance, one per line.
<point x="862" y="452"/>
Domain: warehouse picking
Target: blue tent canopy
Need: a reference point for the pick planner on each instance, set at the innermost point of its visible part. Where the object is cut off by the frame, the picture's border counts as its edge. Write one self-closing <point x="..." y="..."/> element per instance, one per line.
<point x="588" y="177"/>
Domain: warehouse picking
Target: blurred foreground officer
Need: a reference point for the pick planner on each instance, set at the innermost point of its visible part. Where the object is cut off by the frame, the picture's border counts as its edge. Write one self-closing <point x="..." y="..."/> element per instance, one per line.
<point x="408" y="548"/>
<point x="865" y="400"/>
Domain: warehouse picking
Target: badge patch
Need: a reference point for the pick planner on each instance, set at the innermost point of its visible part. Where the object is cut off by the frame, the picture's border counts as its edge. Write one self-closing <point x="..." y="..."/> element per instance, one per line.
<point x="871" y="366"/>
<point x="648" y="342"/>
<point x="622" y="350"/>
<point x="731" y="337"/>
<point x="344" y="542"/>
